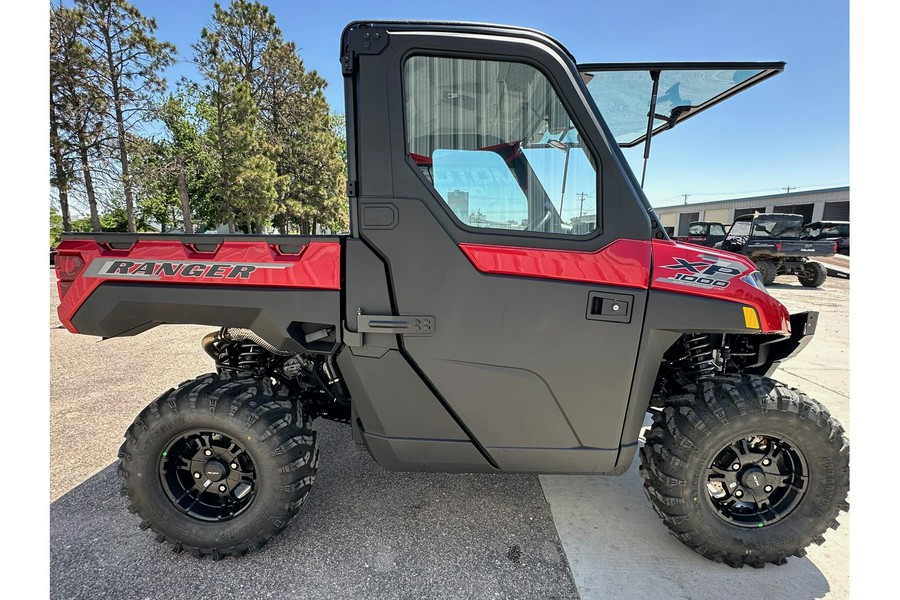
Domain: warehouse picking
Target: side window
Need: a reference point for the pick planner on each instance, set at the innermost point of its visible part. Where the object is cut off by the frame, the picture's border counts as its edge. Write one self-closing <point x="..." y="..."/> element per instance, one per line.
<point x="499" y="147"/>
<point x="716" y="230"/>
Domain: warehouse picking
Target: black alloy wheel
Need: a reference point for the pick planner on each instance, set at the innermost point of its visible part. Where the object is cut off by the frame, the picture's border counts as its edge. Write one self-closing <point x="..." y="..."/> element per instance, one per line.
<point x="756" y="481"/>
<point x="207" y="476"/>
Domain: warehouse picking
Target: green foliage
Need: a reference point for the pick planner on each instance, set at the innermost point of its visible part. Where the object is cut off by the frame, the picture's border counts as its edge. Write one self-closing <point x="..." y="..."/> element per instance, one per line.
<point x="129" y="62"/>
<point x="252" y="144"/>
<point x="285" y="121"/>
<point x="56" y="227"/>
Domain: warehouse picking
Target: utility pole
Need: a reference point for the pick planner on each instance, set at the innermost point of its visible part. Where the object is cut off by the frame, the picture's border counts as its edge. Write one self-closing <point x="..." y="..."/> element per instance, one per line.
<point x="686" y="196"/>
<point x="789" y="188"/>
<point x="581" y="196"/>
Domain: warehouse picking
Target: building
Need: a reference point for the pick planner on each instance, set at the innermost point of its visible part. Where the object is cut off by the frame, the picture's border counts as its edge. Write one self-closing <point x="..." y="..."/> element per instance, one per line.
<point x="831" y="204"/>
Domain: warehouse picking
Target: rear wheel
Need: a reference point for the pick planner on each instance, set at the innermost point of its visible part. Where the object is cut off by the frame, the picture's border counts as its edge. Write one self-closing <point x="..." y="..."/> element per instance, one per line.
<point x="768" y="270"/>
<point x="218" y="465"/>
<point x="812" y="275"/>
<point x="746" y="471"/>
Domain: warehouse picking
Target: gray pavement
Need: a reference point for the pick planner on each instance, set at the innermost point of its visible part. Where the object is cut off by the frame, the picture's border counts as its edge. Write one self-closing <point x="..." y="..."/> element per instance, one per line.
<point x="363" y="533"/>
<point x="618" y="548"/>
<point x="368" y="533"/>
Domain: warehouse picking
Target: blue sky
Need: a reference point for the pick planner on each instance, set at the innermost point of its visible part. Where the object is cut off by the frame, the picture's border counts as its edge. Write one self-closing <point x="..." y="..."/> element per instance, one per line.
<point x="792" y="130"/>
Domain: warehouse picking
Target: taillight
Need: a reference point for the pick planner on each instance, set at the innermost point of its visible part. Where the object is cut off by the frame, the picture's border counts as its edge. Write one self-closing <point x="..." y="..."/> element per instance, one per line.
<point x="834" y="249"/>
<point x="68" y="267"/>
<point x="778" y="246"/>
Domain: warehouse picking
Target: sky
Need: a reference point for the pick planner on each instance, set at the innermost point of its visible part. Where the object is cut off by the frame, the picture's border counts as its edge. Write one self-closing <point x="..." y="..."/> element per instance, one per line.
<point x="794" y="130"/>
<point x="790" y="131"/>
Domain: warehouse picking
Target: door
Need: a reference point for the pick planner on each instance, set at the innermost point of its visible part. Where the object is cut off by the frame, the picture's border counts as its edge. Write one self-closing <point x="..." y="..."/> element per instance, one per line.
<point x="502" y="215"/>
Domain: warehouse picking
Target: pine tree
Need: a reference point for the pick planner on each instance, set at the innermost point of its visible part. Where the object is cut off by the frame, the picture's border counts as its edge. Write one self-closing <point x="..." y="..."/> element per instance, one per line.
<point x="244" y="44"/>
<point x="129" y="62"/>
<point x="77" y="107"/>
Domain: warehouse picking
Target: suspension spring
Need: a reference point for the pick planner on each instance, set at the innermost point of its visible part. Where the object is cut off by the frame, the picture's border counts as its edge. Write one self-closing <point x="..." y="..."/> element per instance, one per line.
<point x="699" y="356"/>
<point x="251" y="356"/>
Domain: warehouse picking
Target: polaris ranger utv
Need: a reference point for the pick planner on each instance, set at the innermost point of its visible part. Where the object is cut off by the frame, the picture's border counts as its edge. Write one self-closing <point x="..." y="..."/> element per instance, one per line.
<point x="477" y="318"/>
<point x="772" y="241"/>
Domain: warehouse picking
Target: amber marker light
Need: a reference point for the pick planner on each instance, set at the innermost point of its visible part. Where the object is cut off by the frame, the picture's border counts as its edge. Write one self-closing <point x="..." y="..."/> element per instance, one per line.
<point x="751" y="319"/>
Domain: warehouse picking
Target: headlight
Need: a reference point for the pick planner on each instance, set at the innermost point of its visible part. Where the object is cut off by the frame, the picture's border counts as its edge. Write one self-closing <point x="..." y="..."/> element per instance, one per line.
<point x="755" y="279"/>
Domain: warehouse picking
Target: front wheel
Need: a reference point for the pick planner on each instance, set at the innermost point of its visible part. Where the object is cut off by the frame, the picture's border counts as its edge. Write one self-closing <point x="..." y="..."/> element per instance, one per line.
<point x="812" y="275"/>
<point x="746" y="471"/>
<point x="218" y="465"/>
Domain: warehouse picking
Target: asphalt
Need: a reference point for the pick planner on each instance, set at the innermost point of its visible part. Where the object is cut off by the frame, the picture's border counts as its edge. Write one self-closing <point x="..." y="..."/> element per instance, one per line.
<point x="368" y="533"/>
<point x="363" y="533"/>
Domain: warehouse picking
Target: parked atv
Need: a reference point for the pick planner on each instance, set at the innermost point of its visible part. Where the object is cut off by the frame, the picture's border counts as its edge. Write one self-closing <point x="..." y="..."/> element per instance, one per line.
<point x="475" y="319"/>
<point x="772" y="241"/>
<point x="704" y="233"/>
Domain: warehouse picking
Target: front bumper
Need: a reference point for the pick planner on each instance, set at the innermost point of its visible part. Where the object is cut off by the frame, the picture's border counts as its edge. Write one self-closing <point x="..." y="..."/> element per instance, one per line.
<point x="772" y="354"/>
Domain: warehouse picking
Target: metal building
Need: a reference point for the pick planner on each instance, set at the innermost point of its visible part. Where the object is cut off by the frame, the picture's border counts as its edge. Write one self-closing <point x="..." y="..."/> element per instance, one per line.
<point x="831" y="204"/>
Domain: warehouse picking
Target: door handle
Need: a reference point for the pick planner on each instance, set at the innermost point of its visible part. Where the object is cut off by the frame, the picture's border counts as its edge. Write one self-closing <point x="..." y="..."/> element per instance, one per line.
<point x="609" y="307"/>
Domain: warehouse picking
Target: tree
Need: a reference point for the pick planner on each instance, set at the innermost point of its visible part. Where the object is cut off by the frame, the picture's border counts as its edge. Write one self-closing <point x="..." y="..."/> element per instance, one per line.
<point x="56" y="227"/>
<point x="76" y="109"/>
<point x="130" y="60"/>
<point x="244" y="44"/>
<point x="171" y="172"/>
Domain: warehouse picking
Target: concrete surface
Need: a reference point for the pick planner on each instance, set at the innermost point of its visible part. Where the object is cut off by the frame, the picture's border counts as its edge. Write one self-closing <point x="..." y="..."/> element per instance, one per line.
<point x="618" y="548"/>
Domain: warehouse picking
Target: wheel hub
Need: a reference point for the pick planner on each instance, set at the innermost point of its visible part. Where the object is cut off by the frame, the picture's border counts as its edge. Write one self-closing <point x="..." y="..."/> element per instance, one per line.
<point x="215" y="471"/>
<point x="208" y="476"/>
<point x="756" y="481"/>
<point x="753" y="478"/>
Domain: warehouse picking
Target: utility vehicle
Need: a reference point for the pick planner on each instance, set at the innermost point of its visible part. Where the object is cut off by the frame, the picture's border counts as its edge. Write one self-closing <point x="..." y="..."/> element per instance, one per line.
<point x="772" y="241"/>
<point x="704" y="233"/>
<point x="839" y="231"/>
<point x="506" y="301"/>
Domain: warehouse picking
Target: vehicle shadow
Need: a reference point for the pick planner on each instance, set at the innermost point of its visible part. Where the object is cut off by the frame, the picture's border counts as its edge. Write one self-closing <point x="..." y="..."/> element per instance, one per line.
<point x="363" y="533"/>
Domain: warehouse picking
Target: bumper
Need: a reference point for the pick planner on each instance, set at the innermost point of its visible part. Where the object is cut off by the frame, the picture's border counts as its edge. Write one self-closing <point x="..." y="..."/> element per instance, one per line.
<point x="803" y="327"/>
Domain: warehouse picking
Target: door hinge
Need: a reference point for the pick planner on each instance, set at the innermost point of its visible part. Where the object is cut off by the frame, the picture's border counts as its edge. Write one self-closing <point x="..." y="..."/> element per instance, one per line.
<point x="351" y="188"/>
<point x="348" y="63"/>
<point x="411" y="325"/>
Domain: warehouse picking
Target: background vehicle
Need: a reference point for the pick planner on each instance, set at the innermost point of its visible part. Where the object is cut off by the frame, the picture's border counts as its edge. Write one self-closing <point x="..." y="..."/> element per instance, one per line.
<point x="839" y="231"/>
<point x="413" y="327"/>
<point x="704" y="233"/>
<point x="772" y="241"/>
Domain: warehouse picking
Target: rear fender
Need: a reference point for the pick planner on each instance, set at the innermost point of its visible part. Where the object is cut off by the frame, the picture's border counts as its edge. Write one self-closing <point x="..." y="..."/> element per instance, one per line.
<point x="286" y="290"/>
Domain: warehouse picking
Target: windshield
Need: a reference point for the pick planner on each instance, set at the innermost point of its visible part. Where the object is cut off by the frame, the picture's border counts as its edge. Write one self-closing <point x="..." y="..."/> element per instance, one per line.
<point x="622" y="92"/>
<point x="697" y="229"/>
<point x="780" y="226"/>
<point x="740" y="229"/>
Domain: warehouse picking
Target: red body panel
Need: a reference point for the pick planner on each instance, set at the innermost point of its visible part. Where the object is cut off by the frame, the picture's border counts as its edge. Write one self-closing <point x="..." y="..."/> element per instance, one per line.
<point x="624" y="263"/>
<point x="234" y="263"/>
<point x="773" y="316"/>
<point x="627" y="263"/>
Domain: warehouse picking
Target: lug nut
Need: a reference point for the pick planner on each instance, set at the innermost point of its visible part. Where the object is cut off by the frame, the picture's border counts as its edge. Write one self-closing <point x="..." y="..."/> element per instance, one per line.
<point x="739" y="493"/>
<point x="766" y="462"/>
<point x="222" y="488"/>
<point x="735" y="466"/>
<point x="197" y="475"/>
<point x="234" y="465"/>
<point x="768" y="488"/>
<point x="207" y="452"/>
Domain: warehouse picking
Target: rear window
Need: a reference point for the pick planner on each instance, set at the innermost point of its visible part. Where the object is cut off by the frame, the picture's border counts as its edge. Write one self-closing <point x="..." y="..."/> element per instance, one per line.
<point x="697" y="230"/>
<point x="777" y="227"/>
<point x="716" y="229"/>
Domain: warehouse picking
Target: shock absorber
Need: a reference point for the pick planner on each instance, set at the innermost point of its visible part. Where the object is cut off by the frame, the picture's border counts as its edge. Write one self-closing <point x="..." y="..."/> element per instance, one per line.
<point x="699" y="356"/>
<point x="240" y="349"/>
<point x="250" y="356"/>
